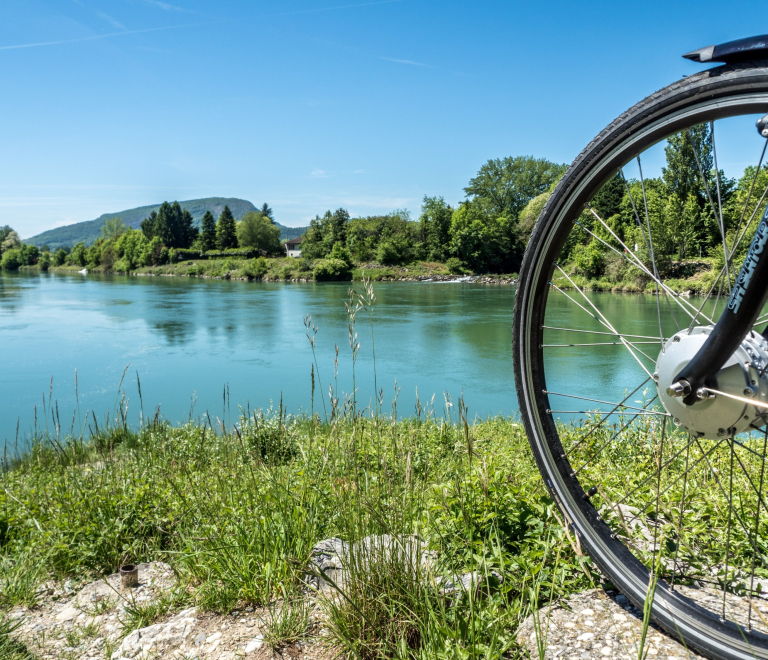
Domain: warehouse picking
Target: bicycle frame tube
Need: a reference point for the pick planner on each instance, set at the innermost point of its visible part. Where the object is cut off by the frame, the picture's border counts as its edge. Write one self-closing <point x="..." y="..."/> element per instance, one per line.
<point x="747" y="299"/>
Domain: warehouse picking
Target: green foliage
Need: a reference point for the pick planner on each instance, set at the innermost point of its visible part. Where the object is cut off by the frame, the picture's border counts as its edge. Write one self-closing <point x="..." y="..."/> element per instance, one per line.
<point x="455" y="266"/>
<point x="324" y="233"/>
<point x="256" y="230"/>
<point x="9" y="239"/>
<point x="45" y="261"/>
<point x="590" y="258"/>
<point x="530" y="214"/>
<point x="331" y="269"/>
<point x="76" y="257"/>
<point x="113" y="229"/>
<point x="257" y="268"/>
<point x="208" y="232"/>
<point x="172" y="225"/>
<point x="60" y="257"/>
<point x="226" y="232"/>
<point x="435" y="226"/>
<point x="505" y="186"/>
<point x="11" y="259"/>
<point x="342" y="254"/>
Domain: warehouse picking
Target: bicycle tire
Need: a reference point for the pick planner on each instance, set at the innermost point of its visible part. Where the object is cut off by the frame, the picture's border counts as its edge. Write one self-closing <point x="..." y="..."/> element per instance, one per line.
<point x="712" y="94"/>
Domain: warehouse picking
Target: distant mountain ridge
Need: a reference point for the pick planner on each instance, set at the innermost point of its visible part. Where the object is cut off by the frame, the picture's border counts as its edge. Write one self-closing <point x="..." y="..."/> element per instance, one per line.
<point x="89" y="231"/>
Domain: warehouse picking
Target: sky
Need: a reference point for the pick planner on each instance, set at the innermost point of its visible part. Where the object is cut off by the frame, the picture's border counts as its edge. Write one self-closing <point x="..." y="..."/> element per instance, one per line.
<point x="311" y="105"/>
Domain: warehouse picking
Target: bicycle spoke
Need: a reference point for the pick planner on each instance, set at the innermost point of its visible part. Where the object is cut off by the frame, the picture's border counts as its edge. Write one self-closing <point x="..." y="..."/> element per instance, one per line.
<point x="657" y="278"/>
<point x="645" y="240"/>
<point x="601" y="343"/>
<point x="728" y="537"/>
<point x="682" y="503"/>
<point x="583" y="398"/>
<point x="601" y="319"/>
<point x="599" y="332"/>
<point x="602" y="421"/>
<point x="712" y="204"/>
<point x="757" y="525"/>
<point x="638" y="264"/>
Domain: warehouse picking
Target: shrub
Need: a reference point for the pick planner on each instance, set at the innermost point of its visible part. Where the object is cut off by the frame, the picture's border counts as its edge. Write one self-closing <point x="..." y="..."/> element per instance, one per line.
<point x="257" y="268"/>
<point x="60" y="258"/>
<point x="11" y="259"/>
<point x="454" y="266"/>
<point x="306" y="265"/>
<point x="342" y="254"/>
<point x="589" y="259"/>
<point x="331" y="269"/>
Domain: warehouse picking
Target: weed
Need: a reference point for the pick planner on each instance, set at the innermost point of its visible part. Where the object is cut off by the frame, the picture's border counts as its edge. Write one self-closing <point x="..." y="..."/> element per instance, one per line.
<point x="286" y="621"/>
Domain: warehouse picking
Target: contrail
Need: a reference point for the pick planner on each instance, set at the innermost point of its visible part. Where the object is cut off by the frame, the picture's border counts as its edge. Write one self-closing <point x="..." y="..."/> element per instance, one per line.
<point x="97" y="36"/>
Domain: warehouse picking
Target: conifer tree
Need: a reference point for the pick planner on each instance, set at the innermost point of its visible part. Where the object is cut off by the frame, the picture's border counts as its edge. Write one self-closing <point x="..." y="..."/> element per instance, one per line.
<point x="208" y="232"/>
<point x="226" y="232"/>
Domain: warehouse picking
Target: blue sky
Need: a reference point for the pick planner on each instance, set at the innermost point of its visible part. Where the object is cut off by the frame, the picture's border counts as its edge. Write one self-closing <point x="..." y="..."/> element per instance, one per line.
<point x="315" y="104"/>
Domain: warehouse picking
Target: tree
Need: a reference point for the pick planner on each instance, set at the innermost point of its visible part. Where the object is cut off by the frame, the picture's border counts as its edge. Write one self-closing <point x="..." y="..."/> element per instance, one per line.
<point x="77" y="255"/>
<point x="11" y="259"/>
<point x="4" y="232"/>
<point x="681" y="174"/>
<point x="435" y="226"/>
<point x="148" y="225"/>
<point x="60" y="257"/>
<point x="257" y="230"/>
<point x="266" y="211"/>
<point x="10" y="242"/>
<point x="530" y="214"/>
<point x="505" y="186"/>
<point x="113" y="229"/>
<point x="226" y="231"/>
<point x="208" y="232"/>
<point x="174" y="226"/>
<point x="324" y="233"/>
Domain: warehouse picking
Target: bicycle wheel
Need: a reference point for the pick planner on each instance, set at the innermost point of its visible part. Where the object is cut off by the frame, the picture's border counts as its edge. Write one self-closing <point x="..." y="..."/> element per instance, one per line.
<point x="651" y="489"/>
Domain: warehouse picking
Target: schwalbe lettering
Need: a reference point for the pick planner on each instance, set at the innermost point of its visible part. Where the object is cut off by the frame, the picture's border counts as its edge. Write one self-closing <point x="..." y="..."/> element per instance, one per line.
<point x="750" y="263"/>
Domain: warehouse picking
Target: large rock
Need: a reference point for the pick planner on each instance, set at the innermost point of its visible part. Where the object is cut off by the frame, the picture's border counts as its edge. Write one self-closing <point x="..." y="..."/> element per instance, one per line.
<point x="155" y="639"/>
<point x="332" y="557"/>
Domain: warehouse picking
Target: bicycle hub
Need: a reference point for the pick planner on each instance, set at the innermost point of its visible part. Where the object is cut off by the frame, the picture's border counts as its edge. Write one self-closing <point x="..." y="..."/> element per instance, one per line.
<point x="743" y="375"/>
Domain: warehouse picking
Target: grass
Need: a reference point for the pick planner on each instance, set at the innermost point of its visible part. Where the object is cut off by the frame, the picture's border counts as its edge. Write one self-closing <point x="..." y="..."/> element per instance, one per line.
<point x="237" y="512"/>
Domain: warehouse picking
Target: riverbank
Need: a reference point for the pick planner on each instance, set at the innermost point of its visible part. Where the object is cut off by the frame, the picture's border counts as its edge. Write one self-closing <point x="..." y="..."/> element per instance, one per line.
<point x="234" y="512"/>
<point x="293" y="270"/>
<point x="365" y="537"/>
<point x="691" y="277"/>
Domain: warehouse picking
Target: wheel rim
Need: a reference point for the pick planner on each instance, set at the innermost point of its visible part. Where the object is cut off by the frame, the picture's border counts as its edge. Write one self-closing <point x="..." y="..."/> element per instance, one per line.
<point x="601" y="526"/>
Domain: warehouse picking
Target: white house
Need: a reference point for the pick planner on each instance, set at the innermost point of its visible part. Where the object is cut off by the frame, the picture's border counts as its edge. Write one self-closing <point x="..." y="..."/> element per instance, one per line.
<point x="293" y="247"/>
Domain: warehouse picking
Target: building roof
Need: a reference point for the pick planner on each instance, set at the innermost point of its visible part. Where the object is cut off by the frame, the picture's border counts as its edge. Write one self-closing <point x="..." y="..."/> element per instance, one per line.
<point x="293" y="241"/>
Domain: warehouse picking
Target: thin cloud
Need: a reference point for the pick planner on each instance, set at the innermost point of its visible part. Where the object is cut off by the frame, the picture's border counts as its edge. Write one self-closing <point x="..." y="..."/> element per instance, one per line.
<point x="409" y="62"/>
<point x="164" y="5"/>
<point x="318" y="174"/>
<point x="111" y="20"/>
<point x="362" y="4"/>
<point x="94" y="37"/>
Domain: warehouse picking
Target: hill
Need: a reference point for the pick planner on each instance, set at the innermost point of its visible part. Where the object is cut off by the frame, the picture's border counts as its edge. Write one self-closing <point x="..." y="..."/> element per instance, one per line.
<point x="89" y="231"/>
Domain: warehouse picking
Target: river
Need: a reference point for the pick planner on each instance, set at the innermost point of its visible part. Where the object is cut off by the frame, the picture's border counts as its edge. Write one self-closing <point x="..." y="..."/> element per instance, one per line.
<point x="187" y="340"/>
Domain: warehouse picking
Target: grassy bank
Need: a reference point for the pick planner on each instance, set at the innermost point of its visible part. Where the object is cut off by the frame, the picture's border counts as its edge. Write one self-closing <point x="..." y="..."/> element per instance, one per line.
<point x="236" y="511"/>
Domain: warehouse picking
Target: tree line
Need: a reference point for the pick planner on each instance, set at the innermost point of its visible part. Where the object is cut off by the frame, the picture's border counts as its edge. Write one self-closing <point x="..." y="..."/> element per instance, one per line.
<point x="159" y="239"/>
<point x="485" y="232"/>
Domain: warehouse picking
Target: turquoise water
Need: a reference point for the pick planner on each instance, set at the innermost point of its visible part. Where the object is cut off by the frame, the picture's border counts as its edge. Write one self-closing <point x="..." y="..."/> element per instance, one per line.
<point x="189" y="339"/>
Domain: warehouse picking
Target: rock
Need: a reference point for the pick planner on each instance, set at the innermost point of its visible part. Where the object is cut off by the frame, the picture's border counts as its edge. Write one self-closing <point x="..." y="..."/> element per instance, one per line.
<point x="172" y="633"/>
<point x="594" y="625"/>
<point x="472" y="581"/>
<point x="256" y="643"/>
<point x="68" y="614"/>
<point x="333" y="556"/>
